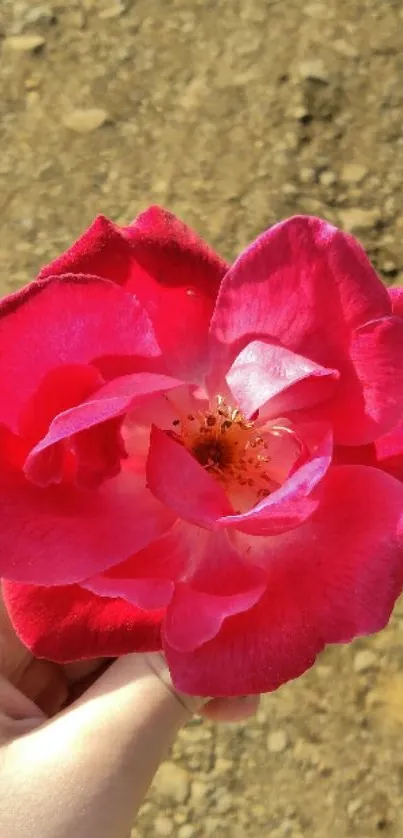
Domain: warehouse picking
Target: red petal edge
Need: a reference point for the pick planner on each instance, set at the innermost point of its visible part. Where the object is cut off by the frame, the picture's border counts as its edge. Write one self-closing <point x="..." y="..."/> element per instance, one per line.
<point x="66" y="624"/>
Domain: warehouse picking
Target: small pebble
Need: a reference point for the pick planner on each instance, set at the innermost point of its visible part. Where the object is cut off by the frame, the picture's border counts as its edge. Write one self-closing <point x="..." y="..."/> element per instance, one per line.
<point x="327" y="178"/>
<point x="115" y="10"/>
<point x="186" y="831"/>
<point x="84" y="121"/>
<point x="277" y="741"/>
<point x="222" y="765"/>
<point x="352" y="173"/>
<point x="199" y="790"/>
<point x="364" y="660"/>
<point x="307" y="175"/>
<point x="224" y="802"/>
<point x="314" y="70"/>
<point x="163" y="826"/>
<point x="389" y="266"/>
<point x="299" y="112"/>
<point x="25" y="43"/>
<point x="353" y="806"/>
<point x="289" y="189"/>
<point x="345" y="48"/>
<point x="356" y="219"/>
<point x="40" y="14"/>
<point x="172" y="782"/>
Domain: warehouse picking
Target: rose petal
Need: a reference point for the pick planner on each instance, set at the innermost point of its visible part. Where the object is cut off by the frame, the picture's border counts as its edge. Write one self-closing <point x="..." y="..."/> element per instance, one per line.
<point x="151" y="593"/>
<point x="389" y="452"/>
<point x="60" y="389"/>
<point x="146" y="579"/>
<point x="61" y="535"/>
<point x="386" y="453"/>
<point x="173" y="254"/>
<point x="101" y="251"/>
<point x="182" y="275"/>
<point x="304" y="283"/>
<point x="311" y="288"/>
<point x="369" y="399"/>
<point x="334" y="578"/>
<point x="110" y="401"/>
<point x="66" y="624"/>
<point x="66" y="320"/>
<point x="13" y="451"/>
<point x="182" y="484"/>
<point x="396" y="298"/>
<point x="271" y="377"/>
<point x="168" y="267"/>
<point x="223" y="584"/>
<point x="290" y="505"/>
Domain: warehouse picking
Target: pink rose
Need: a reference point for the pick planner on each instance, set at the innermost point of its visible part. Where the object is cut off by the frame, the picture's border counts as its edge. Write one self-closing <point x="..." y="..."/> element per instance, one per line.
<point x="189" y="452"/>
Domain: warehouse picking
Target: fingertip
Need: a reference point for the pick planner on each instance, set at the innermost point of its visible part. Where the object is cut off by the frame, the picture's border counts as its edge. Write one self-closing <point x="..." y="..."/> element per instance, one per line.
<point x="230" y="710"/>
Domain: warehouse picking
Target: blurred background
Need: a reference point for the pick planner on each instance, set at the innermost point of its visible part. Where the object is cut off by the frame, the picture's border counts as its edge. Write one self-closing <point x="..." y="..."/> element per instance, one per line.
<point x="233" y="114"/>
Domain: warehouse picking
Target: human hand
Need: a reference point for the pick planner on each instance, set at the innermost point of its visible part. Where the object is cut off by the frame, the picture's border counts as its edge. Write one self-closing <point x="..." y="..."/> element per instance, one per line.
<point x="32" y="689"/>
<point x="92" y="733"/>
<point x="50" y="686"/>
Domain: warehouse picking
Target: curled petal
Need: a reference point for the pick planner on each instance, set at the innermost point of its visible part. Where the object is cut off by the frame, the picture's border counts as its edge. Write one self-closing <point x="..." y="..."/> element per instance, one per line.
<point x="108" y="402"/>
<point x="60" y="389"/>
<point x="376" y="352"/>
<point x="221" y="585"/>
<point x="147" y="578"/>
<point x="271" y="377"/>
<point x="290" y="505"/>
<point x="65" y="320"/>
<point x="182" y="484"/>
<point x="145" y="593"/>
<point x="368" y="400"/>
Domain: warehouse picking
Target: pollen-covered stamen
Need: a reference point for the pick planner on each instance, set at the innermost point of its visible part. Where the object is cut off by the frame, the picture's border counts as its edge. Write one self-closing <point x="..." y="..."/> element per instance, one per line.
<point x="230" y="447"/>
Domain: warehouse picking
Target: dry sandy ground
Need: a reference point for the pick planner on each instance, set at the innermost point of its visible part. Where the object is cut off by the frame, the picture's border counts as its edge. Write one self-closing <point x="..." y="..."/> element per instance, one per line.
<point x="233" y="113"/>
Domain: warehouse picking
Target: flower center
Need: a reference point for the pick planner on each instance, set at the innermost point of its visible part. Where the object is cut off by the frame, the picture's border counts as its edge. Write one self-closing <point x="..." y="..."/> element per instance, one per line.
<point x="230" y="447"/>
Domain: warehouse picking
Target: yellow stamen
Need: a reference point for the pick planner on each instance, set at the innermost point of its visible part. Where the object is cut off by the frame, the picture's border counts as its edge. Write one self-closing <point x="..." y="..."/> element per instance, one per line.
<point x="228" y="446"/>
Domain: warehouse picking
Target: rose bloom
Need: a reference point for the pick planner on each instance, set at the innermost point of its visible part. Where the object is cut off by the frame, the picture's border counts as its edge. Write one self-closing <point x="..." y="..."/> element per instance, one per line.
<point x="202" y="458"/>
